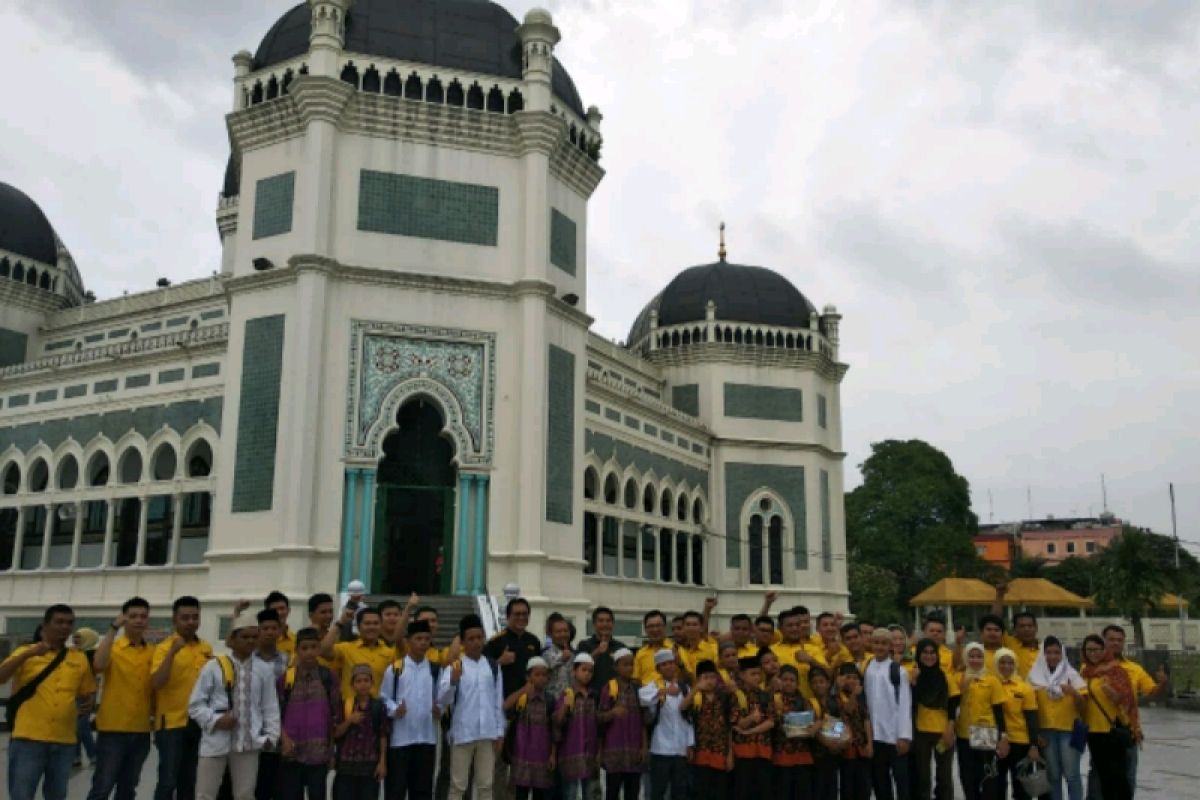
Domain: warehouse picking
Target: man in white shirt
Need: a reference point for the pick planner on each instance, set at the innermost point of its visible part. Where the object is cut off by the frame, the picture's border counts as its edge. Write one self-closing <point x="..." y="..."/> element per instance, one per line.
<point x="673" y="738"/>
<point x="472" y="687"/>
<point x="409" y="692"/>
<point x="235" y="704"/>
<point x="889" y="699"/>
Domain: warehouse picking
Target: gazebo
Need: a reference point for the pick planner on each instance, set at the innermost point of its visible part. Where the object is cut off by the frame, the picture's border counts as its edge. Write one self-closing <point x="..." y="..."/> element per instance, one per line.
<point x="972" y="592"/>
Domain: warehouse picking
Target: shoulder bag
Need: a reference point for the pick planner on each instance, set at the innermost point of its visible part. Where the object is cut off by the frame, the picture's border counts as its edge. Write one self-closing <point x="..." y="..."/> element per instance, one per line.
<point x="1120" y="731"/>
<point x="28" y="690"/>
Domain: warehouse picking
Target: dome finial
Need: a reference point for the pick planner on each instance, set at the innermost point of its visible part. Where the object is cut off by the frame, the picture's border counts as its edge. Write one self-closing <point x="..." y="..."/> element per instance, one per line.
<point x="721" y="252"/>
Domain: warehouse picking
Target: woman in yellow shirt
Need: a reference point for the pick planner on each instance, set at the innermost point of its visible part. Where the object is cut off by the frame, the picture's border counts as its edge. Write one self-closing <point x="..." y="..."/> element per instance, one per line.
<point x="1020" y="722"/>
<point x="935" y="698"/>
<point x="981" y="706"/>
<point x="1111" y="714"/>
<point x="1059" y="689"/>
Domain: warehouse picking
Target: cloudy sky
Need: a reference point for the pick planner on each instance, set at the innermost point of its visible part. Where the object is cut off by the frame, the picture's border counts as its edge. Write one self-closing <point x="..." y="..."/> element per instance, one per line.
<point x="1000" y="199"/>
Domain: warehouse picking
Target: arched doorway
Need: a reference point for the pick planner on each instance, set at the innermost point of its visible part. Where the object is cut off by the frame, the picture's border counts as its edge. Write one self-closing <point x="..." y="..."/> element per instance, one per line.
<point x="414" y="506"/>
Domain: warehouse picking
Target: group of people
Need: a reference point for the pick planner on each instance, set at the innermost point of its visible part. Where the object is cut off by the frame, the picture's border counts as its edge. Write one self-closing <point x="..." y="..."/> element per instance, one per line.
<point x="769" y="707"/>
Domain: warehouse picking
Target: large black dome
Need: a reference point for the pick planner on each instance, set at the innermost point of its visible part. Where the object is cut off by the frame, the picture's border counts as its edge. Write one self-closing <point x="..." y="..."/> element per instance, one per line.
<point x="754" y="295"/>
<point x="472" y="35"/>
<point x="24" y="229"/>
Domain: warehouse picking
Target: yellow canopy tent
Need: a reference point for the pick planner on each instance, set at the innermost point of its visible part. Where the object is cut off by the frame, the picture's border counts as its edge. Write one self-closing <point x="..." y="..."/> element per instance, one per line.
<point x="1043" y="593"/>
<point x="956" y="592"/>
<point x="1171" y="601"/>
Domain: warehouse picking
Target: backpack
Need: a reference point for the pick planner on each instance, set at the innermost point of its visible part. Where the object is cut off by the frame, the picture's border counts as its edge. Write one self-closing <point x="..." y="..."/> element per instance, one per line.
<point x="289" y="680"/>
<point x="229" y="673"/>
<point x="494" y="664"/>
<point x="435" y="672"/>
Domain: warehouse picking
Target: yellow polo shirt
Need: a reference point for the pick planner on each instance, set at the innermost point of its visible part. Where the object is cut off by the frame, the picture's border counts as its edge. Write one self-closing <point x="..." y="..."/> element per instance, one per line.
<point x="1056" y="715"/>
<point x="1096" y="720"/>
<point x="347" y="655"/>
<point x="1143" y="684"/>
<point x="1025" y="655"/>
<point x="171" y="701"/>
<point x="644" y="670"/>
<point x="748" y="650"/>
<point x="946" y="660"/>
<point x="820" y="654"/>
<point x="1019" y="697"/>
<point x="125" y="706"/>
<point x="49" y="715"/>
<point x="975" y="708"/>
<point x="705" y="650"/>
<point x="935" y="720"/>
<point x="287" y="643"/>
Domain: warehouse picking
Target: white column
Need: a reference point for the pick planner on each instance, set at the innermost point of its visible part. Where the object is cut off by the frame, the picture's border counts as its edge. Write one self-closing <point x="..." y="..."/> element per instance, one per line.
<point x="75" y="541"/>
<point x="110" y="521"/>
<point x="47" y="529"/>
<point x="143" y="515"/>
<point x="19" y="540"/>
<point x="176" y="529"/>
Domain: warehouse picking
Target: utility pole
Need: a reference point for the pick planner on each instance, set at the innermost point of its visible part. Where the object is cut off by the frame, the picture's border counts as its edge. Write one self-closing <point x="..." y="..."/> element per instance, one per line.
<point x="1179" y="586"/>
<point x="1103" y="493"/>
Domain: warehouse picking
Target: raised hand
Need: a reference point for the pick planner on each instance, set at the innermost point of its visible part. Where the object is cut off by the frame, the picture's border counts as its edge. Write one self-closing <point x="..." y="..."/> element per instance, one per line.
<point x="507" y="657"/>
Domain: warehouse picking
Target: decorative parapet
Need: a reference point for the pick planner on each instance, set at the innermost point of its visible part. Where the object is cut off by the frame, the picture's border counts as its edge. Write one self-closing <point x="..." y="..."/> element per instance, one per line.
<point x="153" y="300"/>
<point x="635" y="396"/>
<point x="210" y="334"/>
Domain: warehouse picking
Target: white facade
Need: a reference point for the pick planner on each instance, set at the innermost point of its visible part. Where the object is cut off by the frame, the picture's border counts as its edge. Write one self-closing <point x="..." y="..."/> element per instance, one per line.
<point x="388" y="256"/>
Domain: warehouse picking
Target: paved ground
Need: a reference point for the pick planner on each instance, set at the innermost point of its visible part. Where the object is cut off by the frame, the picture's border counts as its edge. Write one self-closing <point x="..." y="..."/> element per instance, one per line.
<point x="1170" y="762"/>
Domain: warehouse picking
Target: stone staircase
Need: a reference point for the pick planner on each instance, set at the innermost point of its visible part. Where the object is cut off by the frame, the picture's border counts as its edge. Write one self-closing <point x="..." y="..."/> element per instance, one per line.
<point x="451" y="608"/>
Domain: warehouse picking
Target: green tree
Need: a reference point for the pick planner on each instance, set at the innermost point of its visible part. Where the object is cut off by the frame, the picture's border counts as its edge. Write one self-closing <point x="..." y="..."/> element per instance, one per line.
<point x="1074" y="574"/>
<point x="873" y="593"/>
<point x="1131" y="576"/>
<point x="1024" y="567"/>
<point x="912" y="517"/>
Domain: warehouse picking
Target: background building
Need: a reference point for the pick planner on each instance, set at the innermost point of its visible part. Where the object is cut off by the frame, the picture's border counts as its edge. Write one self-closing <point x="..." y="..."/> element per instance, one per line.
<point x="1051" y="540"/>
<point x="391" y="374"/>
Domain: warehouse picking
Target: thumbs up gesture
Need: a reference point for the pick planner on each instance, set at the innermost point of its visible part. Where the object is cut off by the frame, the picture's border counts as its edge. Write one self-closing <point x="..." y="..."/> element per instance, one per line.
<point x="507" y="657"/>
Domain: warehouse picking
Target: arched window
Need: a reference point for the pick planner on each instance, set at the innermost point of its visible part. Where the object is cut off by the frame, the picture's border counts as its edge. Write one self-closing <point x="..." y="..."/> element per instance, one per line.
<point x="649" y="548"/>
<point x="682" y="508"/>
<point x="631" y="493"/>
<point x="573" y="133"/>
<point x="350" y="74"/>
<point x="256" y="94"/>
<point x="589" y="543"/>
<point x="495" y="100"/>
<point x="454" y="94"/>
<point x="39" y="476"/>
<point x="737" y="336"/>
<point x="164" y="463"/>
<point x="775" y="549"/>
<point x="649" y="495"/>
<point x="286" y="83"/>
<point x="434" y="93"/>
<point x="199" y="460"/>
<point x="698" y="559"/>
<point x="5" y="268"/>
<point x="590" y="479"/>
<point x="31" y="277"/>
<point x="68" y="473"/>
<point x="475" y="97"/>
<point x="515" y="101"/>
<point x="97" y="470"/>
<point x="371" y="81"/>
<point x="129" y="466"/>
<point x="698" y="511"/>
<point x="272" y="88"/>
<point x="44" y="282"/>
<point x="610" y="490"/>
<point x="413" y="90"/>
<point x="682" y="556"/>
<point x="666" y="554"/>
<point x="12" y="478"/>
<point x="754" y="539"/>
<point x="666" y="505"/>
<point x="392" y="86"/>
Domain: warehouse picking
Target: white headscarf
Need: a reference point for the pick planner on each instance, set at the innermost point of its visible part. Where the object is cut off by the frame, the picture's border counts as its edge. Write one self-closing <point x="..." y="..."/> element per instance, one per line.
<point x="1042" y="677"/>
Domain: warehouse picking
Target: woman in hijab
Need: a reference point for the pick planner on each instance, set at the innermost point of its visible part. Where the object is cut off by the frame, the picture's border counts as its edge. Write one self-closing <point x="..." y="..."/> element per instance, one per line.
<point x="981" y="706"/>
<point x="1060" y="706"/>
<point x="1111" y="714"/>
<point x="935" y="701"/>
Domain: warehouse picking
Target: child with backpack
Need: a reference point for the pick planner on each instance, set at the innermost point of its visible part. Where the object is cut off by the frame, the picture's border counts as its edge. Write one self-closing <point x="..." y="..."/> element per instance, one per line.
<point x="791" y="750"/>
<point x="362" y="740"/>
<point x="409" y="690"/>
<point x="623" y="736"/>
<point x="310" y="705"/>
<point x="751" y="720"/>
<point x="529" y="743"/>
<point x="579" y="743"/>
<point x="712" y="756"/>
<point x="672" y="739"/>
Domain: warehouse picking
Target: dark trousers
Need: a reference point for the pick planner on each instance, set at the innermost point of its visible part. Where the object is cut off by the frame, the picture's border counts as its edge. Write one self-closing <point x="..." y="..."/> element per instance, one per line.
<point x="854" y="775"/>
<point x="119" y="760"/>
<point x="792" y="783"/>
<point x="924" y="761"/>
<point x="618" y="783"/>
<point x="266" y="787"/>
<point x="355" y="787"/>
<point x="178" y="751"/>
<point x="296" y="780"/>
<point x="525" y="793"/>
<point x="709" y="783"/>
<point x="889" y="773"/>
<point x="825" y="778"/>
<point x="410" y="772"/>
<point x="668" y="773"/>
<point x="1110" y="766"/>
<point x="977" y="772"/>
<point x="751" y="777"/>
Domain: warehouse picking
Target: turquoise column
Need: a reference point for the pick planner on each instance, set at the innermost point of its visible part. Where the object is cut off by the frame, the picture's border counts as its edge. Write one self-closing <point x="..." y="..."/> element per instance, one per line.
<point x="481" y="490"/>
<point x="366" y="524"/>
<point x="462" y="544"/>
<point x="349" y="507"/>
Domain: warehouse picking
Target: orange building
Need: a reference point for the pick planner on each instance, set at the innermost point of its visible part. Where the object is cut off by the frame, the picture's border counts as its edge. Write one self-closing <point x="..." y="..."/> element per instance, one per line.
<point x="1058" y="544"/>
<point x="997" y="547"/>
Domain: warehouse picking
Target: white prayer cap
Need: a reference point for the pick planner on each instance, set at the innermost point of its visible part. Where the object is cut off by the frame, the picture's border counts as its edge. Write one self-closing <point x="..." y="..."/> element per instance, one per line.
<point x="356" y="587"/>
<point x="583" y="658"/>
<point x="663" y="656"/>
<point x="624" y="652"/>
<point x="536" y="661"/>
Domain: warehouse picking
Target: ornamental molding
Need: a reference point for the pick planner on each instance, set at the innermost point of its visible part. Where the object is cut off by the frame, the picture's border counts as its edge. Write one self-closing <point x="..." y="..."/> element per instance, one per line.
<point x="152" y="305"/>
<point x="19" y="293"/>
<point x="742" y="354"/>
<point x="392" y="363"/>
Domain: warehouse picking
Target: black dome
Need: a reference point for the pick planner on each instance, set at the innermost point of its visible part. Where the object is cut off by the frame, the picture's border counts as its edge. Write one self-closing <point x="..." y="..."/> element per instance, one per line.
<point x="472" y="35"/>
<point x="754" y="295"/>
<point x="24" y="229"/>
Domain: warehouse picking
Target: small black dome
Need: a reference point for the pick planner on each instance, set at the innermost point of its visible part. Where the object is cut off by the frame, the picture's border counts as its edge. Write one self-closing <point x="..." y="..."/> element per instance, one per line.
<point x="471" y="35"/>
<point x="754" y="295"/>
<point x="24" y="229"/>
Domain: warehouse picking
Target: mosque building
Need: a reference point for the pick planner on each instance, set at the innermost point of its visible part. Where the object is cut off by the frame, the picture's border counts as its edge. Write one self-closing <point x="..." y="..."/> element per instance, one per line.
<point x="392" y="376"/>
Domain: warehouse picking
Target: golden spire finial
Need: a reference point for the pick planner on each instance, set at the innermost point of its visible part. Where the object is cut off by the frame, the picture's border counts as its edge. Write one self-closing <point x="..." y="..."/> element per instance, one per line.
<point x="721" y="253"/>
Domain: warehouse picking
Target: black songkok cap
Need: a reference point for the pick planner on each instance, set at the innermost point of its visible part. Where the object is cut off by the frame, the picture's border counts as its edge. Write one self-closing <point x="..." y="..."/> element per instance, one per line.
<point x="418" y="626"/>
<point x="749" y="662"/>
<point x="468" y="622"/>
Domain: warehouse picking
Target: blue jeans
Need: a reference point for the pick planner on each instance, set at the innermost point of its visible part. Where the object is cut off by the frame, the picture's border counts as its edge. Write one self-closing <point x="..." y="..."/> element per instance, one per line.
<point x="578" y="790"/>
<point x="1062" y="764"/>
<point x="86" y="737"/>
<point x="31" y="763"/>
<point x="119" y="760"/>
<point x="178" y="752"/>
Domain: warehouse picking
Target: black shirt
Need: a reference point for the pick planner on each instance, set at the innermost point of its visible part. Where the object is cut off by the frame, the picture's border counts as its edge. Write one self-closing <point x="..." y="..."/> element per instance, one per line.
<point x="525" y="646"/>
<point x="606" y="668"/>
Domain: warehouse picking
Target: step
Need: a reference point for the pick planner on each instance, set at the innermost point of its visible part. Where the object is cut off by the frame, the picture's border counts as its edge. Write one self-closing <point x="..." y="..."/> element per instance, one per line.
<point x="451" y="608"/>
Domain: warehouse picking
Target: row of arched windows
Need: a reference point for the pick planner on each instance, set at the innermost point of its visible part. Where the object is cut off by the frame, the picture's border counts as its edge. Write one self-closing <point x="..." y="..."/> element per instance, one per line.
<point x="17" y="271"/>
<point x="164" y="465"/>
<point x="651" y="499"/>
<point x="734" y="335"/>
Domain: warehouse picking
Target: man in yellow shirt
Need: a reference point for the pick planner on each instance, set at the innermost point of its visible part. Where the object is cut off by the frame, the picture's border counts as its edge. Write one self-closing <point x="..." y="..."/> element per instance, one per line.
<point x="123" y="721"/>
<point x="53" y="680"/>
<point x="654" y="624"/>
<point x="174" y="668"/>
<point x="696" y="646"/>
<point x="278" y="602"/>
<point x="856" y="645"/>
<point x="741" y="632"/>
<point x="935" y="629"/>
<point x="828" y="651"/>
<point x="1024" y="641"/>
<point x="1144" y="688"/>
<point x="369" y="648"/>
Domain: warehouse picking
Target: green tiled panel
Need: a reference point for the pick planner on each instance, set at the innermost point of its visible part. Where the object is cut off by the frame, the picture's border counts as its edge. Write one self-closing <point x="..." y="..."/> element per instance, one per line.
<point x="683" y="443"/>
<point x="12" y="347"/>
<point x="668" y="437"/>
<point x="46" y="396"/>
<point x="103" y="387"/>
<point x="560" y="437"/>
<point x="747" y="401"/>
<point x="137" y="381"/>
<point x="78" y="390"/>
<point x="822" y="411"/>
<point x="787" y="482"/>
<point x="175" y="322"/>
<point x="273" y="200"/>
<point x="627" y="454"/>
<point x="18" y="401"/>
<point x="826" y="525"/>
<point x="206" y="370"/>
<point x="258" y="414"/>
<point x="686" y="399"/>
<point x="171" y="375"/>
<point x="651" y="430"/>
<point x="405" y="205"/>
<point x="563" y="247"/>
<point x="114" y="424"/>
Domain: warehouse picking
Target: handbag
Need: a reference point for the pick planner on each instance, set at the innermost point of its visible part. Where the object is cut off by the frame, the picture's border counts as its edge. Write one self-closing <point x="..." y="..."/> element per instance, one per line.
<point x="1079" y="733"/>
<point x="1033" y="777"/>
<point x="28" y="690"/>
<point x="983" y="737"/>
<point x="1120" y="731"/>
